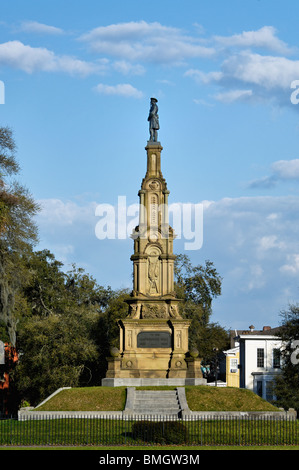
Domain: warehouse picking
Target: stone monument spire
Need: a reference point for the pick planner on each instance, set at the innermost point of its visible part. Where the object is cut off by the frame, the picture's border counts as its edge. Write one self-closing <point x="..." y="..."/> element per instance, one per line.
<point x="153" y="258"/>
<point x="154" y="336"/>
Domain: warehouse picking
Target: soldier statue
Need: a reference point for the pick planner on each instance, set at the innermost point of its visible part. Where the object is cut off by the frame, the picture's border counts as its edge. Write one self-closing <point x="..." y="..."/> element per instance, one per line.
<point x="153" y="119"/>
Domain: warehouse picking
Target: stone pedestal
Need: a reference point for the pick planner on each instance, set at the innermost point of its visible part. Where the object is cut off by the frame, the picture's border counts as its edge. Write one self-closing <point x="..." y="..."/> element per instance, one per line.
<point x="153" y="349"/>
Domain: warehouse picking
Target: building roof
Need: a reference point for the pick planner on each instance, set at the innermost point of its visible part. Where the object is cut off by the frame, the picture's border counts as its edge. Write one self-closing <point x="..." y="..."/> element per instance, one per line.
<point x="266" y="331"/>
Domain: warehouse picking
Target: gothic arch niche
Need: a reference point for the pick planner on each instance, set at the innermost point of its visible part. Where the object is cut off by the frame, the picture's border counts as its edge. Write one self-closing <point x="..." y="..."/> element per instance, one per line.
<point x="153" y="270"/>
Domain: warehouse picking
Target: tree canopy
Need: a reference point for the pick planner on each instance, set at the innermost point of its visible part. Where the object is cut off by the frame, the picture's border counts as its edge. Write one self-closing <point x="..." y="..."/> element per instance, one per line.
<point x="18" y="231"/>
<point x="286" y="386"/>
<point x="197" y="286"/>
<point x="57" y="334"/>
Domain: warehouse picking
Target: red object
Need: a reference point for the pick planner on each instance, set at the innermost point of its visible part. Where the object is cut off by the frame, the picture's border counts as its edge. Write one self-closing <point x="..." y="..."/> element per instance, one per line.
<point x="11" y="357"/>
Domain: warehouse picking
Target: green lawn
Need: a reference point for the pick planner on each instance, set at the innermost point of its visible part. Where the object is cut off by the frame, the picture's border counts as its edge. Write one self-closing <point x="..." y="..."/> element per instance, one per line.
<point x="152" y="448"/>
<point x="206" y="398"/>
<point x="87" y="399"/>
<point x="128" y="432"/>
<point x="199" y="398"/>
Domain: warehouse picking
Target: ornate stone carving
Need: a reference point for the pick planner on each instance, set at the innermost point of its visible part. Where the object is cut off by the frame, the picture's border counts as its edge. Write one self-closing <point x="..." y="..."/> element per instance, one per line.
<point x="153" y="272"/>
<point x="173" y="311"/>
<point x="134" y="311"/>
<point x="179" y="339"/>
<point x="154" y="185"/>
<point x="154" y="311"/>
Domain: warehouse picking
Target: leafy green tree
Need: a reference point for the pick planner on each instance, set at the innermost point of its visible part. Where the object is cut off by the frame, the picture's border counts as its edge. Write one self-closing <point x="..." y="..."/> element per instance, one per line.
<point x="54" y="351"/>
<point x="117" y="310"/>
<point x="57" y="336"/>
<point x="45" y="290"/>
<point x="286" y="386"/>
<point x="18" y="232"/>
<point x="84" y="289"/>
<point x="197" y="286"/>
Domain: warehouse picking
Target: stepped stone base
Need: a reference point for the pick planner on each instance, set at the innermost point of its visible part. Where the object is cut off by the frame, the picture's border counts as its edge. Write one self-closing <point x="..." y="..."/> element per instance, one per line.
<point x="138" y="382"/>
<point x="149" y="402"/>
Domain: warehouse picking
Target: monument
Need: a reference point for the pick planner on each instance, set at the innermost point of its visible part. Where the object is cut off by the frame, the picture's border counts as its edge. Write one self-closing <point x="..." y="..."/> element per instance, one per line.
<point x="153" y="345"/>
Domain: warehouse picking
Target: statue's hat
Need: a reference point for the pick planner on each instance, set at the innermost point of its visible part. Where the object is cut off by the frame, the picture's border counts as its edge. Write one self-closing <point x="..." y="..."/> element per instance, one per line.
<point x="154" y="99"/>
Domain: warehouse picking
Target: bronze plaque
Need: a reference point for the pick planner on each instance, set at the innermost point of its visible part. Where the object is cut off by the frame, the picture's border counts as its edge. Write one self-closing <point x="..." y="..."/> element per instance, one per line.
<point x="154" y="339"/>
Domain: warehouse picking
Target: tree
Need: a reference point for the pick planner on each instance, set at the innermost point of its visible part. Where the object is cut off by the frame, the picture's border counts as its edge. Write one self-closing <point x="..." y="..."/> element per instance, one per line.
<point x="84" y="289"/>
<point x="44" y="291"/>
<point x="54" y="352"/>
<point x="286" y="387"/>
<point x="57" y="336"/>
<point x="18" y="232"/>
<point x="117" y="310"/>
<point x="197" y="286"/>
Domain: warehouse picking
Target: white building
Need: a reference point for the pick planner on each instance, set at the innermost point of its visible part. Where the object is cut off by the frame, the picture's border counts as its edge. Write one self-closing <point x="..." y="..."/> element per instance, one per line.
<point x="260" y="359"/>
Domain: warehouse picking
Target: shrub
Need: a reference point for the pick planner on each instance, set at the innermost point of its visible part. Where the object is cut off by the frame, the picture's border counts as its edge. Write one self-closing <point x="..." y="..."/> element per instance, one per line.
<point x="159" y="432"/>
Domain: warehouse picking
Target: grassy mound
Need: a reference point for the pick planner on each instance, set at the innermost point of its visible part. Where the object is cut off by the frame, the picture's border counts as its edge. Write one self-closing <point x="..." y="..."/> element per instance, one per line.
<point x="199" y="398"/>
<point x="208" y="398"/>
<point x="87" y="399"/>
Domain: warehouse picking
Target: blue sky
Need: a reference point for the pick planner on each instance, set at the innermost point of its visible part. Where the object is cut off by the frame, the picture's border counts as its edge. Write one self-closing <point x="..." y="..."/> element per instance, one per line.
<point x="78" y="78"/>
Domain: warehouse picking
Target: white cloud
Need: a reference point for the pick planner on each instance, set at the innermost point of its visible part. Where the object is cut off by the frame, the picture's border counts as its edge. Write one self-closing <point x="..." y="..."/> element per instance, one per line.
<point x="40" y="28"/>
<point x="249" y="231"/>
<point x="282" y="170"/>
<point x="126" y="68"/>
<point x="265" y="182"/>
<point x="250" y="68"/>
<point x="202" y="77"/>
<point x="55" y="212"/>
<point x="265" y="71"/>
<point x="286" y="169"/>
<point x="33" y="59"/>
<point x="122" y="89"/>
<point x="146" y="42"/>
<point x="261" y="78"/>
<point x="264" y="37"/>
<point x="233" y="95"/>
<point x="292" y="266"/>
<point x="268" y="242"/>
<point x="253" y="243"/>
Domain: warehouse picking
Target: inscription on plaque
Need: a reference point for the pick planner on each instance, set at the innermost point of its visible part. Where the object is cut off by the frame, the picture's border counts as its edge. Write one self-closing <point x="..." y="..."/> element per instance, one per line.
<point x="154" y="339"/>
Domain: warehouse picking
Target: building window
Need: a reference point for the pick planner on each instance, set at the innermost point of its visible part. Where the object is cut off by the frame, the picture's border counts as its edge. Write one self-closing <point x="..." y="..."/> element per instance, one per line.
<point x="260" y="357"/>
<point x="233" y="365"/>
<point x="276" y="358"/>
